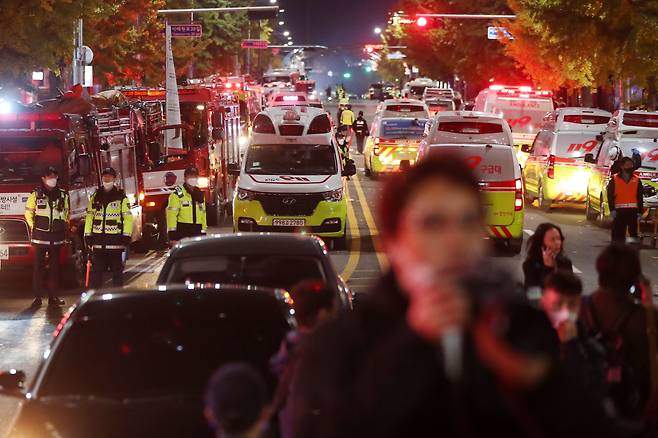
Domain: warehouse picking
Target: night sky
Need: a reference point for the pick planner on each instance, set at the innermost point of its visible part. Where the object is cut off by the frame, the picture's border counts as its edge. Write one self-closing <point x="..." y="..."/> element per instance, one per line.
<point x="335" y="22"/>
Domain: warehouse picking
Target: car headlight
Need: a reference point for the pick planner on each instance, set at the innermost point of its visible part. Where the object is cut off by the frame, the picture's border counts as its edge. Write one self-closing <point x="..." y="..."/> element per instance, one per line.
<point x="333" y="196"/>
<point x="245" y="195"/>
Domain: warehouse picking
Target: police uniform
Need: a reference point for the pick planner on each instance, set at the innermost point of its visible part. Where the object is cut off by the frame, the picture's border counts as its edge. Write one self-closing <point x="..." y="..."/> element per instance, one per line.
<point x="625" y="198"/>
<point x="361" y="131"/>
<point x="108" y="230"/>
<point x="186" y="213"/>
<point x="47" y="214"/>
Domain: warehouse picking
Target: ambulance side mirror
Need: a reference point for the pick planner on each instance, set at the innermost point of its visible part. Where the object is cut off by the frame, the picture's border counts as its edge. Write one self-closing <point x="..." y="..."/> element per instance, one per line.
<point x="84" y="165"/>
<point x="527" y="148"/>
<point x="589" y="158"/>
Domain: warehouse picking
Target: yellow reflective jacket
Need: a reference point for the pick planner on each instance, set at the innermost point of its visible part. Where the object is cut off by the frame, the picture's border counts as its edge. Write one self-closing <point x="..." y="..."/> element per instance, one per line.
<point x="347" y="117"/>
<point x="109" y="221"/>
<point x="186" y="213"/>
<point x="47" y="214"/>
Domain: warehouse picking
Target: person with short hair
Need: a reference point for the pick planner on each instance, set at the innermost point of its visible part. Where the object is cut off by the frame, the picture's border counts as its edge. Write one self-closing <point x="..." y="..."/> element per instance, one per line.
<point x="236" y="401"/>
<point x="108" y="230"/>
<point x="47" y="213"/>
<point x="186" y="209"/>
<point x="626" y="201"/>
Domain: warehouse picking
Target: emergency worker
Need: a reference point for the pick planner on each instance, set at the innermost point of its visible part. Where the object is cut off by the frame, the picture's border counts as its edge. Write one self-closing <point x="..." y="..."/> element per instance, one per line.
<point x="47" y="214"/>
<point x="361" y="130"/>
<point x="186" y="210"/>
<point x="347" y="117"/>
<point x="626" y="201"/>
<point x="108" y="230"/>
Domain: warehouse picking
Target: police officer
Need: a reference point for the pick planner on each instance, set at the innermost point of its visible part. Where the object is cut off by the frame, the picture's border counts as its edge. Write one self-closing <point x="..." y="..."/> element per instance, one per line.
<point x="361" y="130"/>
<point x="625" y="200"/>
<point x="186" y="210"/>
<point x="47" y="214"/>
<point x="108" y="229"/>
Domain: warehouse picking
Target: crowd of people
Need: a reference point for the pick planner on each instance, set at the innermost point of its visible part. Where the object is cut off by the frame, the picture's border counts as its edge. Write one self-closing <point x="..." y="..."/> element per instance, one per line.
<point x="444" y="343"/>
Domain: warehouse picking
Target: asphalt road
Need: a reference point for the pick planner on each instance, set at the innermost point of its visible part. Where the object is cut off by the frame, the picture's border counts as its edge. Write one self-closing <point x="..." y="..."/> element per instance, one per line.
<point x="24" y="333"/>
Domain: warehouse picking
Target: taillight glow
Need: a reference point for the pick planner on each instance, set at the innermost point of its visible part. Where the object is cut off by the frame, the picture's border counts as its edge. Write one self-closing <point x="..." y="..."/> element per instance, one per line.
<point x="551" y="167"/>
<point x="518" y="197"/>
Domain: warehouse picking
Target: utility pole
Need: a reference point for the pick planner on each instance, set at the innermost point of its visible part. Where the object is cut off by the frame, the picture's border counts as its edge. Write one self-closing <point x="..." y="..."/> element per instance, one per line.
<point x="78" y="62"/>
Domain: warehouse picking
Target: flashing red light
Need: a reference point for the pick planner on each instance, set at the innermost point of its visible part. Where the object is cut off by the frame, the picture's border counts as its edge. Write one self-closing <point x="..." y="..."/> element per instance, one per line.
<point x="31" y="117"/>
<point x="369" y="49"/>
<point x="496" y="87"/>
<point x="421" y="22"/>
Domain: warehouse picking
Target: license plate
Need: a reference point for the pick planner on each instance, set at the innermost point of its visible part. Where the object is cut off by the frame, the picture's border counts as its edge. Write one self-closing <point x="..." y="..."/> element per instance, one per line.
<point x="4" y="252"/>
<point x="288" y="222"/>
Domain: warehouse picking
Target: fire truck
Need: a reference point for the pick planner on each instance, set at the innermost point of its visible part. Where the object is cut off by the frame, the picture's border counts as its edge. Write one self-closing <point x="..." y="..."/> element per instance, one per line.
<point x="79" y="141"/>
<point x="210" y="130"/>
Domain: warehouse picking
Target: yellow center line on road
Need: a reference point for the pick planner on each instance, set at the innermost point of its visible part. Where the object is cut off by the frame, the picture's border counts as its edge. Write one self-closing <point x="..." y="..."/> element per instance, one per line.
<point x="355" y="239"/>
<point x="370" y="221"/>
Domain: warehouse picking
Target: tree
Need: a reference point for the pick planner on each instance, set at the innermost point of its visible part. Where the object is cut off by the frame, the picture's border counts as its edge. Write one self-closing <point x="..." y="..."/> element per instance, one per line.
<point x="39" y="33"/>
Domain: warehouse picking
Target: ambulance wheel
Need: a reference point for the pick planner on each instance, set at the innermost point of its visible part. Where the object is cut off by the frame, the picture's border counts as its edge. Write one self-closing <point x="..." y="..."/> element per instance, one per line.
<point x="366" y="170"/>
<point x="514" y="246"/>
<point x="544" y="204"/>
<point x="590" y="214"/>
<point x="602" y="220"/>
<point x="339" y="243"/>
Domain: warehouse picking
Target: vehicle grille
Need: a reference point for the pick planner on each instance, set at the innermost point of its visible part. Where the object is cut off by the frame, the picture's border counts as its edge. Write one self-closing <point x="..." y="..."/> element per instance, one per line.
<point x="285" y="204"/>
<point x="13" y="230"/>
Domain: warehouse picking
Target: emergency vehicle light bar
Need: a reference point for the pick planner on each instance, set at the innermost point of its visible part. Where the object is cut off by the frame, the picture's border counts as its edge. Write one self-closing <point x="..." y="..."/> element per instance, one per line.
<point x="31" y="117"/>
<point x="522" y="91"/>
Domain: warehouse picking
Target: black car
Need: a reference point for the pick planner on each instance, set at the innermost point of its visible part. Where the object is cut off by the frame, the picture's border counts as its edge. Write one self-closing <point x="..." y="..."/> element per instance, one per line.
<point x="134" y="363"/>
<point x="275" y="260"/>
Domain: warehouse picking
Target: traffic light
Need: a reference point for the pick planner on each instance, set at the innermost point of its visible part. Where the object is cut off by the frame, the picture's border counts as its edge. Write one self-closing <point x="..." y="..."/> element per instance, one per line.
<point x="421" y="22"/>
<point x="347" y="75"/>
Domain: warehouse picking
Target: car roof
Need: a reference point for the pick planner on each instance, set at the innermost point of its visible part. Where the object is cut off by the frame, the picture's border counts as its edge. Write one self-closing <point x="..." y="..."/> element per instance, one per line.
<point x="249" y="243"/>
<point x="451" y="116"/>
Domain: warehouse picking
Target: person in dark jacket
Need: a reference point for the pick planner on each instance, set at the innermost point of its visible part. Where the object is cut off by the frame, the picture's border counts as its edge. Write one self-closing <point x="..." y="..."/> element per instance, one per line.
<point x="626" y="201"/>
<point x="435" y="350"/>
<point x="545" y="255"/>
<point x="614" y="309"/>
<point x="582" y="356"/>
<point x="361" y="131"/>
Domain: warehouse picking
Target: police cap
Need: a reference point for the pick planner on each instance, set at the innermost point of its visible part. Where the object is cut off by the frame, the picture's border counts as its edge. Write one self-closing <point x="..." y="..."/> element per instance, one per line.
<point x="50" y="170"/>
<point x="109" y="171"/>
<point x="191" y="170"/>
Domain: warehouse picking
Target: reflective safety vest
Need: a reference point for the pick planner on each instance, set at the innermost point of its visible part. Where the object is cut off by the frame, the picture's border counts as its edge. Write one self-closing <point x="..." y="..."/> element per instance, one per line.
<point x="360" y="127"/>
<point x="186" y="214"/>
<point x="347" y="117"/>
<point x="626" y="192"/>
<point x="109" y="222"/>
<point x="47" y="214"/>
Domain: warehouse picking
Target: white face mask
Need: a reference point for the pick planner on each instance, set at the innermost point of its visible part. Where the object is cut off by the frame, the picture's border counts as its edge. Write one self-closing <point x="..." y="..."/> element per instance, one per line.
<point x="559" y="317"/>
<point x="108" y="185"/>
<point x="51" y="182"/>
<point x="192" y="182"/>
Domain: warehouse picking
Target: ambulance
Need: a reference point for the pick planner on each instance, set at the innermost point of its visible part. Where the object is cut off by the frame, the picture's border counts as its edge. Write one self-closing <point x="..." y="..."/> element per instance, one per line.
<point x="484" y="142"/>
<point x="523" y="107"/>
<point x="555" y="171"/>
<point x="293" y="177"/>
<point x="392" y="140"/>
<point x="627" y="131"/>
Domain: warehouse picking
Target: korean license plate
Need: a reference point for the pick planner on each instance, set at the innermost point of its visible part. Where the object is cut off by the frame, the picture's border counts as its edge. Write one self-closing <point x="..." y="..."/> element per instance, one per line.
<point x="288" y="222"/>
<point x="4" y="252"/>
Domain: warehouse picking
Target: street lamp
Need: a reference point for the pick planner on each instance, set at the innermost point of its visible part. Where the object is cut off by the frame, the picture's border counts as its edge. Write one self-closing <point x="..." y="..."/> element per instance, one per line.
<point x="281" y="23"/>
<point x="378" y="30"/>
<point x="286" y="33"/>
<point x="272" y="2"/>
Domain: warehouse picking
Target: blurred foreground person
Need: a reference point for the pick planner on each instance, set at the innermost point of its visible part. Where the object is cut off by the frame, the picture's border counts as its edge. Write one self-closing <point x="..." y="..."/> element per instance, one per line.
<point x="314" y="304"/>
<point x="615" y="316"/>
<point x="436" y="350"/>
<point x="236" y="401"/>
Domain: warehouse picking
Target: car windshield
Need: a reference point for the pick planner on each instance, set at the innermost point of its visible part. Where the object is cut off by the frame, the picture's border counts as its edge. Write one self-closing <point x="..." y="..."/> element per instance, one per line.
<point x="523" y="115"/>
<point x="646" y="146"/>
<point x="489" y="164"/>
<point x="575" y="145"/>
<point x="267" y="270"/>
<point x="396" y="129"/>
<point x="291" y="159"/>
<point x="22" y="160"/>
<point x="195" y="114"/>
<point x="164" y="345"/>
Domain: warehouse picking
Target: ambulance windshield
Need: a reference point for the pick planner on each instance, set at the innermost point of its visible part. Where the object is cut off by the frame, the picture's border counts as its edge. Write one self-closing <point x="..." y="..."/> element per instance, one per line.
<point x="291" y="159"/>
